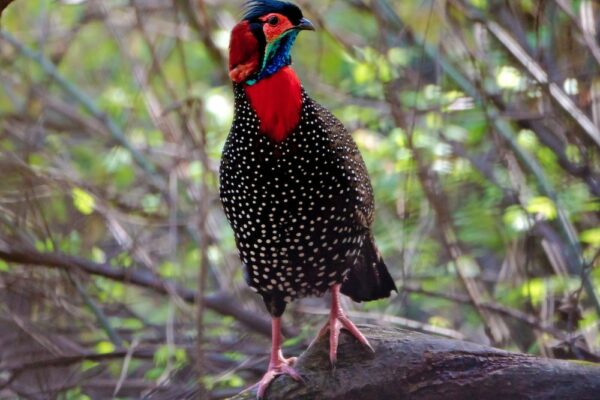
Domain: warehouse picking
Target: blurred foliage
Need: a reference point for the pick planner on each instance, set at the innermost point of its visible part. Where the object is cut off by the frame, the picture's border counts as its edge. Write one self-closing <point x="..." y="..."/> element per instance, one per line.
<point x="112" y="118"/>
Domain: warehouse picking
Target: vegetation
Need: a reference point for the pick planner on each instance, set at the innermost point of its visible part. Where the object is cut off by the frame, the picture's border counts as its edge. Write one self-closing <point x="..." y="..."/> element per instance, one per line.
<point x="479" y="121"/>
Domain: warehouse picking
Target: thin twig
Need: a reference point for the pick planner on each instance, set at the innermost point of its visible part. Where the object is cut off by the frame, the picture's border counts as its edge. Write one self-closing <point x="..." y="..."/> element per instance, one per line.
<point x="70" y="88"/>
<point x="506" y="131"/>
<point x="97" y="311"/>
<point x="221" y="303"/>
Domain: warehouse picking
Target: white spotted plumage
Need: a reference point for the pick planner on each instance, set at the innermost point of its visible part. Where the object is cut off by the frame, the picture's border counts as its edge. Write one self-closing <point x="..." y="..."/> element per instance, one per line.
<point x="300" y="209"/>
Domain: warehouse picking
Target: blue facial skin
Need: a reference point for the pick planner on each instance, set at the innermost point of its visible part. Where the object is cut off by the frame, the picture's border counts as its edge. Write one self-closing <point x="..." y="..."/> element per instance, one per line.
<point x="277" y="56"/>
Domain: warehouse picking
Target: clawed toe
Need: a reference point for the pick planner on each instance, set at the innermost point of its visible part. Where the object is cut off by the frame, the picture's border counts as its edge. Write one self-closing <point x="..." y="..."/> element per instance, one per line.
<point x="284" y="367"/>
<point x="337" y="321"/>
<point x="334" y="326"/>
<point x="277" y="364"/>
<point x="289" y="370"/>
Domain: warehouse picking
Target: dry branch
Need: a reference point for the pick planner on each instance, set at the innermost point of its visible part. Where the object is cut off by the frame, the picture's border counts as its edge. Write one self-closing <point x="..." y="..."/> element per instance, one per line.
<point x="221" y="303"/>
<point x="417" y="366"/>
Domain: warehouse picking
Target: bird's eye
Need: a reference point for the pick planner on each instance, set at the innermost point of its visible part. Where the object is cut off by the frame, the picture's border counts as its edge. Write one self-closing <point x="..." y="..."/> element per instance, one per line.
<point x="273" y="21"/>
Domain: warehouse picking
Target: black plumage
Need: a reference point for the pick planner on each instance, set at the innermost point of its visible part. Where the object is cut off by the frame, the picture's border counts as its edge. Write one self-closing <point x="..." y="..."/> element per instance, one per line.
<point x="301" y="209"/>
<point x="256" y="9"/>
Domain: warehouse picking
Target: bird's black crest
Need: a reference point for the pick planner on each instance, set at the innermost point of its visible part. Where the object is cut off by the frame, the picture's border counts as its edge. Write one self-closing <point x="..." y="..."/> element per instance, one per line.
<point x="255" y="9"/>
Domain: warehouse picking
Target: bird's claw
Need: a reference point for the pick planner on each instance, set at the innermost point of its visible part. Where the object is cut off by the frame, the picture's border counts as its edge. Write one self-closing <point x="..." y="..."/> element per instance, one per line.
<point x="337" y="321"/>
<point x="282" y="367"/>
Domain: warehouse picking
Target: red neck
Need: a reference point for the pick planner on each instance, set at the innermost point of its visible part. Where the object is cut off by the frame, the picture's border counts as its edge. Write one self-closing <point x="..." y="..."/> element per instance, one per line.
<point x="277" y="100"/>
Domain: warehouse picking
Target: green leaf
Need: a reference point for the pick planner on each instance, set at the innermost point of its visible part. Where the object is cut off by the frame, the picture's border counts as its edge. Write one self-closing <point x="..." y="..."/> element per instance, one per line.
<point x="75" y="394"/>
<point x="292" y="341"/>
<point x="516" y="218"/>
<point x="234" y="356"/>
<point x="83" y="201"/>
<point x="105" y="347"/>
<point x="195" y="171"/>
<point x="117" y="157"/>
<point x="124" y="177"/>
<point x="132" y="323"/>
<point x="364" y="73"/>
<point x="591" y="236"/>
<point x="528" y="140"/>
<point x="168" y="270"/>
<point x="98" y="255"/>
<point x="542" y="206"/>
<point x="151" y="203"/>
<point x="161" y="356"/>
<point x="232" y="381"/>
<point x="535" y="289"/>
<point x="440" y="321"/>
<point x="398" y="56"/>
<point x="510" y="78"/>
<point x="4" y="267"/>
<point x="87" y="365"/>
<point x="154" y="373"/>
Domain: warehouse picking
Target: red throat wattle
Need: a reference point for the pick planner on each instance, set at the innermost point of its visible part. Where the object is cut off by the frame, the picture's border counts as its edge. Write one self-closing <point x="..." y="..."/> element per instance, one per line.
<point x="277" y="100"/>
<point x="244" y="54"/>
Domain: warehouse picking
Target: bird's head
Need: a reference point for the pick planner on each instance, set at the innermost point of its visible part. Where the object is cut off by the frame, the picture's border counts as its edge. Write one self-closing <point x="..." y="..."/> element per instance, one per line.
<point x="261" y="43"/>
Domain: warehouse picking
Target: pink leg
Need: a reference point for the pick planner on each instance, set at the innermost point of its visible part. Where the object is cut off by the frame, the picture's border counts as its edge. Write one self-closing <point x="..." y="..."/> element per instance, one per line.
<point x="277" y="365"/>
<point x="337" y="321"/>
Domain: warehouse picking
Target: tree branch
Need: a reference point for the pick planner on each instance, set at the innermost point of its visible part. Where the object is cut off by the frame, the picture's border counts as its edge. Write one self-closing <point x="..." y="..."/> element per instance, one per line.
<point x="86" y="102"/>
<point x="220" y="302"/>
<point x="409" y="365"/>
<point x="504" y="128"/>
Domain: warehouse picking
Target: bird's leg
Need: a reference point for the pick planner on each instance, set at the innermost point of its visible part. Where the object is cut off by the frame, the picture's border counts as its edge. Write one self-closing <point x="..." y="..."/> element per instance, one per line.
<point x="337" y="321"/>
<point x="277" y="364"/>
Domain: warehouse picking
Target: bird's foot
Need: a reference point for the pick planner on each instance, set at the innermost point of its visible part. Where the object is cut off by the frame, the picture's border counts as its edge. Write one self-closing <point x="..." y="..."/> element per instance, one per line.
<point x="277" y="366"/>
<point x="337" y="321"/>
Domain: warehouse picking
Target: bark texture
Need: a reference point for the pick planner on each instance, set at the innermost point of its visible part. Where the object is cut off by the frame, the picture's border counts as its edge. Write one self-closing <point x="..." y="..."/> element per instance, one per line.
<point x="409" y="365"/>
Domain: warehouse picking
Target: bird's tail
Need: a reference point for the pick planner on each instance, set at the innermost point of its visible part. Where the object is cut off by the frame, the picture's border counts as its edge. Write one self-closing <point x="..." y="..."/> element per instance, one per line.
<point x="368" y="278"/>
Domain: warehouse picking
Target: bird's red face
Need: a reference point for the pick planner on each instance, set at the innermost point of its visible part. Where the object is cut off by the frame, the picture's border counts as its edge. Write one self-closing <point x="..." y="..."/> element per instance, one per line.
<point x="259" y="59"/>
<point x="275" y="25"/>
<point x="261" y="43"/>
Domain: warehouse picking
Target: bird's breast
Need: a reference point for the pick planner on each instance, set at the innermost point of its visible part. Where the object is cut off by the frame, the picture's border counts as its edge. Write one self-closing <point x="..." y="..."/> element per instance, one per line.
<point x="277" y="101"/>
<point x="290" y="204"/>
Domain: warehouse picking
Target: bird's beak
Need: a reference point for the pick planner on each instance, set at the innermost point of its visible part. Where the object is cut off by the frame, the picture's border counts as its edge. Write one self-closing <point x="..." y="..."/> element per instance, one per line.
<point x="305" y="25"/>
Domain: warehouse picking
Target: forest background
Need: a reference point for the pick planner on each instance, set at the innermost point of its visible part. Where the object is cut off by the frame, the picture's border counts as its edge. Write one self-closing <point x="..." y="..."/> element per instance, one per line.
<point x="479" y="121"/>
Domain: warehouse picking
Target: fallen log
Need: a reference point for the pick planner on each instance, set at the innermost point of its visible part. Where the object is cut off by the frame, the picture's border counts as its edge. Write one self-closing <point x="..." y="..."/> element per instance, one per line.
<point x="410" y="365"/>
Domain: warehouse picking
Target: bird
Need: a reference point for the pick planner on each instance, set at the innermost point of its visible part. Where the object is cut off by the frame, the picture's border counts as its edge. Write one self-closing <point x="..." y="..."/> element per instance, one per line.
<point x="294" y="186"/>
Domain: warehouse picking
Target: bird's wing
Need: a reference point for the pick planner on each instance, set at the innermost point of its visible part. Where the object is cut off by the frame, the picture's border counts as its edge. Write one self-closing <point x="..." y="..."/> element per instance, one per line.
<point x="349" y="157"/>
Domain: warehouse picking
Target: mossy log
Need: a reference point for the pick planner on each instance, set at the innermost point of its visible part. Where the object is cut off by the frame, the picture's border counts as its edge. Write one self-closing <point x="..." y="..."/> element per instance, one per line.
<point x="409" y="365"/>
